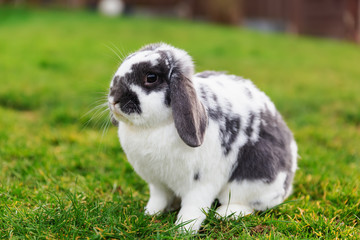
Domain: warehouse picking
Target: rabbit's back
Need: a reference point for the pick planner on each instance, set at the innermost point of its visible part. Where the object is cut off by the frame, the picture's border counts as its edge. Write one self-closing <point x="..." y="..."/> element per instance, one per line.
<point x="253" y="135"/>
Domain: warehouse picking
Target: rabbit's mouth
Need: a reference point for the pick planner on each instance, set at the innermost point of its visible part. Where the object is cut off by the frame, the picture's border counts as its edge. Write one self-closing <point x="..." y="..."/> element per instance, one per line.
<point x="118" y="114"/>
<point x="115" y="110"/>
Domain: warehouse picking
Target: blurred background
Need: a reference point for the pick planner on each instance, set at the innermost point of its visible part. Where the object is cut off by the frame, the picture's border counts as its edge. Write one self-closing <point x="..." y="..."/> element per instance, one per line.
<point x="57" y="59"/>
<point x="337" y="19"/>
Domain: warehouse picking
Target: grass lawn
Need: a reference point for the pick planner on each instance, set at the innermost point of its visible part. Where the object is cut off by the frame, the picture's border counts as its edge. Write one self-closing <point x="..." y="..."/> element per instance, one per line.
<point x="62" y="176"/>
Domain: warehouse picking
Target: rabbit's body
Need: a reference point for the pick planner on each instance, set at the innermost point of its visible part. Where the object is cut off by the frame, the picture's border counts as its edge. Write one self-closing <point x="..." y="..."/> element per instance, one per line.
<point x="243" y="154"/>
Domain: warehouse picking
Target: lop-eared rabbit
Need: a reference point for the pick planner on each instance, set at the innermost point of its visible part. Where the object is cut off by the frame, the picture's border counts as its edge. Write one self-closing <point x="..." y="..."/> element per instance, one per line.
<point x="200" y="137"/>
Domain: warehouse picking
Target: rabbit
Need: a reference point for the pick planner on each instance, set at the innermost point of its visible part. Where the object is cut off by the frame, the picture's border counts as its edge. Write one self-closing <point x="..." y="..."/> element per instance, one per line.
<point x="200" y="137"/>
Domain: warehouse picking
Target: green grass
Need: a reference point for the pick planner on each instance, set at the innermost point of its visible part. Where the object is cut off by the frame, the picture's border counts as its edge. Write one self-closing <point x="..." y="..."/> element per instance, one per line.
<point x="61" y="178"/>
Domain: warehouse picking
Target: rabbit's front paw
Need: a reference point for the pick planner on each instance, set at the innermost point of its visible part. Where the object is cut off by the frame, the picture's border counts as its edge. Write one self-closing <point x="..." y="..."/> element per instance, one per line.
<point x="160" y="199"/>
<point x="190" y="220"/>
<point x="153" y="208"/>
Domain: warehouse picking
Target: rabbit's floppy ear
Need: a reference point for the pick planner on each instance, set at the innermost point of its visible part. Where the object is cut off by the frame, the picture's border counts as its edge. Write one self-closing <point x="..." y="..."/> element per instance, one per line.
<point x="188" y="112"/>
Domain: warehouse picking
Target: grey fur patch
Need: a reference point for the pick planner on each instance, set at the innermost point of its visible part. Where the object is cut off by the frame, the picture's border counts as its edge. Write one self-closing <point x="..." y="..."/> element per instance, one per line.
<point x="249" y="129"/>
<point x="116" y="80"/>
<point x="248" y="92"/>
<point x="214" y="110"/>
<point x="167" y="99"/>
<point x="215" y="113"/>
<point x="256" y="204"/>
<point x="229" y="123"/>
<point x="214" y="97"/>
<point x="229" y="132"/>
<point x="197" y="176"/>
<point x="268" y="156"/>
<point x="207" y="74"/>
<point x="114" y="86"/>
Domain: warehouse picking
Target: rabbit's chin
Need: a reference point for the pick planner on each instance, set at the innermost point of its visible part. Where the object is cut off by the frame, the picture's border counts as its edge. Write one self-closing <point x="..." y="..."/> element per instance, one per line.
<point x="134" y="120"/>
<point x="119" y="117"/>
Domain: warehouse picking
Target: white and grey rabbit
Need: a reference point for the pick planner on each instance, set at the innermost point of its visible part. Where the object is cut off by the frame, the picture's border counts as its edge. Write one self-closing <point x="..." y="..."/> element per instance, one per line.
<point x="200" y="137"/>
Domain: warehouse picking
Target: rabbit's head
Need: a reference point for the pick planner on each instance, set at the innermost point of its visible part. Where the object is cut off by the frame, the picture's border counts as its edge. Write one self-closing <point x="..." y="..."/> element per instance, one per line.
<point x="153" y="87"/>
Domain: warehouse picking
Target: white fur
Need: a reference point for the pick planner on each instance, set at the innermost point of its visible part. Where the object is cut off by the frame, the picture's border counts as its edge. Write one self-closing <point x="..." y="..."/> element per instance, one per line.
<point x="169" y="166"/>
<point x="153" y="111"/>
<point x="175" y="164"/>
<point x="157" y="153"/>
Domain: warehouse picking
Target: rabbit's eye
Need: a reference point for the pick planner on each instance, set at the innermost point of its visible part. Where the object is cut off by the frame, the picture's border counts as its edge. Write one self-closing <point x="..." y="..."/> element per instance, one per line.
<point x="151" y="78"/>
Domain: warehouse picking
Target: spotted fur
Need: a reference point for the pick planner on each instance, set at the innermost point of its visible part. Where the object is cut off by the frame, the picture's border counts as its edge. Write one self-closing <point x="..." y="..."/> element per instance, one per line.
<point x="200" y="137"/>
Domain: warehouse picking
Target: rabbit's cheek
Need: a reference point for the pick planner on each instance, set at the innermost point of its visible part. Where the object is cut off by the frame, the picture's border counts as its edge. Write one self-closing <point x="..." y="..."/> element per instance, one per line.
<point x="153" y="106"/>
